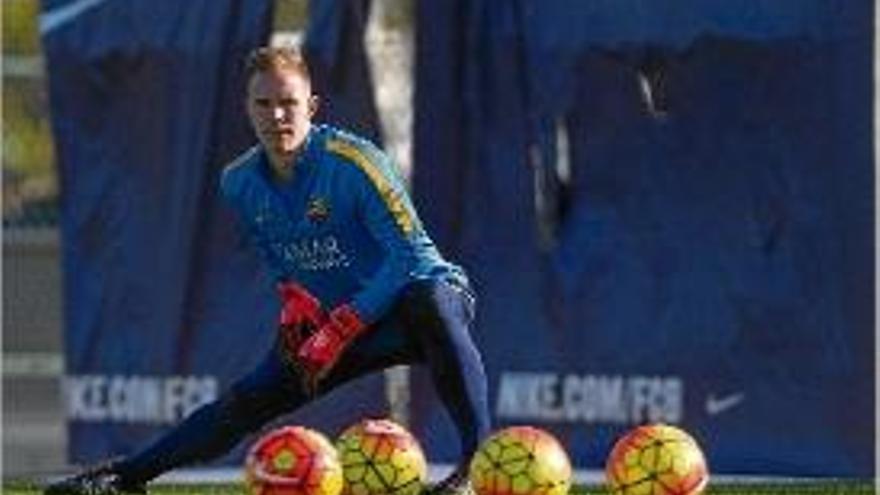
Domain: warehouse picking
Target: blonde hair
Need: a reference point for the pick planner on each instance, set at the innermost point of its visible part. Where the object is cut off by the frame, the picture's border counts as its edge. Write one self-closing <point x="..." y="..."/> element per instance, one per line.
<point x="266" y="58"/>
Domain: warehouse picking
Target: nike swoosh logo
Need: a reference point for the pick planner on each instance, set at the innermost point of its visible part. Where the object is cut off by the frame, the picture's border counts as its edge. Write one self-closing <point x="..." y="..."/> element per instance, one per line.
<point x="717" y="405"/>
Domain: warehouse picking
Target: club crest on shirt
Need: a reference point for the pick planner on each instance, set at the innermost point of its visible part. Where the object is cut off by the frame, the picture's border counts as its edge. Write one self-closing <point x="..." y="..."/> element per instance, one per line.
<point x="318" y="210"/>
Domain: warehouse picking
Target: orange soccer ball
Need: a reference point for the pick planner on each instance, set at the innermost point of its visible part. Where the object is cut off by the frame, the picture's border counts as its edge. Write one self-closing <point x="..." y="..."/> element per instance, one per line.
<point x="381" y="457"/>
<point x="521" y="460"/>
<point x="656" y="460"/>
<point x="293" y="460"/>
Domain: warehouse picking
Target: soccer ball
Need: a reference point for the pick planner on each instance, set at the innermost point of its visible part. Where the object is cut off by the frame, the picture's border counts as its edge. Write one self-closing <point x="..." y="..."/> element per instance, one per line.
<point x="656" y="460"/>
<point x="521" y="460"/>
<point x="380" y="457"/>
<point x="293" y="460"/>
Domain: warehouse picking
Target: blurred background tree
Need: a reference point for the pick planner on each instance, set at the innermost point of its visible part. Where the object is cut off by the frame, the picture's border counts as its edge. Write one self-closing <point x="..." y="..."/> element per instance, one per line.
<point x="30" y="188"/>
<point x="291" y="15"/>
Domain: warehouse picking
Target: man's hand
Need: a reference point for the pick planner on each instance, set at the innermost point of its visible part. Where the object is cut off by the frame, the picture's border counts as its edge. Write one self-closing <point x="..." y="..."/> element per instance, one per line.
<point x="319" y="353"/>
<point x="301" y="314"/>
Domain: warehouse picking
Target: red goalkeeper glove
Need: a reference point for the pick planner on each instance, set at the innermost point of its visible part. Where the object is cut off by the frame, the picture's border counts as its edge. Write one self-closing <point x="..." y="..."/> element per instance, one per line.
<point x="319" y="353"/>
<point x="301" y="314"/>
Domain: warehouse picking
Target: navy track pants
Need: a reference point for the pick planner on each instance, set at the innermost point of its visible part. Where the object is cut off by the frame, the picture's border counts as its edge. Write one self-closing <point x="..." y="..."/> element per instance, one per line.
<point x="428" y="324"/>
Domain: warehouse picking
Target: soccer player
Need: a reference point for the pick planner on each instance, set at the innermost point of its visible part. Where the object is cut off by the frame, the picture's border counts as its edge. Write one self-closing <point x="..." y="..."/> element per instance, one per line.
<point x="362" y="286"/>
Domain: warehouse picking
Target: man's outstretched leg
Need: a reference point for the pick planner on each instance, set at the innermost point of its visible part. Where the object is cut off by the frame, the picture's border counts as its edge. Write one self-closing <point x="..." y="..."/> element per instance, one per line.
<point x="270" y="390"/>
<point x="441" y="313"/>
<point x="429" y="325"/>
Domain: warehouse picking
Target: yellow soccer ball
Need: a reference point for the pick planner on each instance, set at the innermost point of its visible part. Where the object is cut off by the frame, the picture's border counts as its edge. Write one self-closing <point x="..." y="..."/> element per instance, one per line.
<point x="381" y="457"/>
<point x="656" y="460"/>
<point x="521" y="460"/>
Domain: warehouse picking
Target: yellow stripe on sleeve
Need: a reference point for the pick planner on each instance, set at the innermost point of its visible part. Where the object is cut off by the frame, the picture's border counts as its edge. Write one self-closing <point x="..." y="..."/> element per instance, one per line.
<point x="393" y="200"/>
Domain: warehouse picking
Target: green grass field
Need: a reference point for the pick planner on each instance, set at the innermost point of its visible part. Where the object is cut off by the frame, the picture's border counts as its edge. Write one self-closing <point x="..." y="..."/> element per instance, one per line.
<point x="838" y="487"/>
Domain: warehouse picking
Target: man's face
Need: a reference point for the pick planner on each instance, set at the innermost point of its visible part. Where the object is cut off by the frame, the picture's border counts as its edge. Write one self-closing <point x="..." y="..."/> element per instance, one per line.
<point x="280" y="105"/>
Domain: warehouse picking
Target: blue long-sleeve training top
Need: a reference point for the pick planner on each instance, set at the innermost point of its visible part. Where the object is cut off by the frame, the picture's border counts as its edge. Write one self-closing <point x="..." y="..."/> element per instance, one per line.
<point x="343" y="227"/>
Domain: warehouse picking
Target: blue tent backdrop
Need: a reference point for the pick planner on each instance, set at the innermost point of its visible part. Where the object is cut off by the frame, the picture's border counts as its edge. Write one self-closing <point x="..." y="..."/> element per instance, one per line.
<point x="668" y="211"/>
